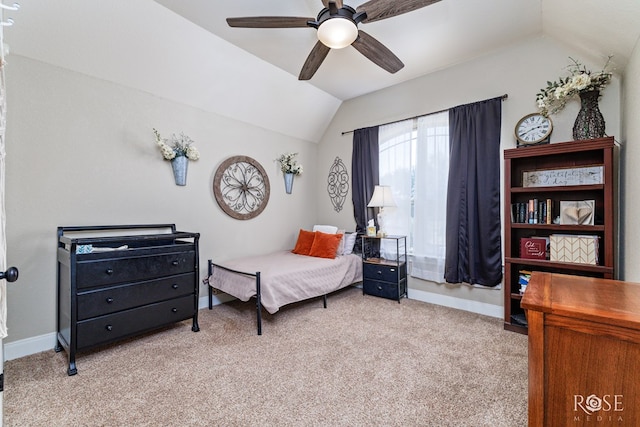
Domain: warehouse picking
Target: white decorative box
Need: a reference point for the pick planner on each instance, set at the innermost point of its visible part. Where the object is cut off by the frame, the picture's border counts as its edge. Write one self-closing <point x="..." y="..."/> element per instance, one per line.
<point x="573" y="248"/>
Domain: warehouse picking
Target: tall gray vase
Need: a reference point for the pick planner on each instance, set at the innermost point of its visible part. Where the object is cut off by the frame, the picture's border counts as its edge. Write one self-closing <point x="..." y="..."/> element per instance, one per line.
<point x="288" y="182"/>
<point x="180" y="165"/>
<point x="590" y="122"/>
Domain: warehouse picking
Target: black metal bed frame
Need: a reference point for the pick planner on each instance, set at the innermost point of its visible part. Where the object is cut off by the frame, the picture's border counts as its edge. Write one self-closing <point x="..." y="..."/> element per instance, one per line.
<point x="210" y="268"/>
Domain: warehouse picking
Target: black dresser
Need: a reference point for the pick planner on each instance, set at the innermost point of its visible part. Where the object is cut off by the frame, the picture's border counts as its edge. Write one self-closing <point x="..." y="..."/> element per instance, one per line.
<point x="118" y="281"/>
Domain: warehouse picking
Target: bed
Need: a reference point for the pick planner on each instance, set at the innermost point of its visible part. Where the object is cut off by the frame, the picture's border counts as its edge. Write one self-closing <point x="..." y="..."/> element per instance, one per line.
<point x="282" y="278"/>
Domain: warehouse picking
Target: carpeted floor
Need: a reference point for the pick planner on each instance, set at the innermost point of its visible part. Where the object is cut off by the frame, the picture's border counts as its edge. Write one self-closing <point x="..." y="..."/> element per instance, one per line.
<point x="364" y="361"/>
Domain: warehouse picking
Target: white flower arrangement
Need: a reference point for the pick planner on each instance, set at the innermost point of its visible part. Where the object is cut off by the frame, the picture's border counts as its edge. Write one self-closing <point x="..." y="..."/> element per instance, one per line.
<point x="180" y="146"/>
<point x="554" y="97"/>
<point x="288" y="164"/>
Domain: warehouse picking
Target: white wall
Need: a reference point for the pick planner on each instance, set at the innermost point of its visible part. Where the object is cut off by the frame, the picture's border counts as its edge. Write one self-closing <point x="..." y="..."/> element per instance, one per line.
<point x="519" y="71"/>
<point x="80" y="151"/>
<point x="630" y="177"/>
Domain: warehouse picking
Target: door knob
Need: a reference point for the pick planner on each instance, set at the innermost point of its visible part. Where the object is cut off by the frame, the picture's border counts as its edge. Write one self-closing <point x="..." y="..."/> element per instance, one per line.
<point x="11" y="274"/>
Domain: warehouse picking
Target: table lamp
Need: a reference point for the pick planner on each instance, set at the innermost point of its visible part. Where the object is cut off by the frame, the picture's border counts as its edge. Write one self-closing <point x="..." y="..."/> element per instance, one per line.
<point x="381" y="198"/>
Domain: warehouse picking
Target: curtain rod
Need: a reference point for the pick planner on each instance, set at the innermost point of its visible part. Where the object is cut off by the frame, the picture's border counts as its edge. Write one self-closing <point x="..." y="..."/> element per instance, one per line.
<point x="503" y="97"/>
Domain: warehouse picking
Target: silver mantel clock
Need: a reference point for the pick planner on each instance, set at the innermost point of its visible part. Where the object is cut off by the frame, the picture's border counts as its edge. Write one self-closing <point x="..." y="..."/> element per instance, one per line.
<point x="533" y="129"/>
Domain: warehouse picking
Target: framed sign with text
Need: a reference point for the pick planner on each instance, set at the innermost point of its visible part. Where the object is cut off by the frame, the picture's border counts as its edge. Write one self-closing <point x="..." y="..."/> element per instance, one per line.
<point x="588" y="175"/>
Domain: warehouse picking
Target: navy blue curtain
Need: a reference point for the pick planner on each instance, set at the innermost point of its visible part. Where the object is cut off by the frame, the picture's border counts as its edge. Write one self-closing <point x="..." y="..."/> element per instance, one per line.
<point x="473" y="237"/>
<point x="365" y="160"/>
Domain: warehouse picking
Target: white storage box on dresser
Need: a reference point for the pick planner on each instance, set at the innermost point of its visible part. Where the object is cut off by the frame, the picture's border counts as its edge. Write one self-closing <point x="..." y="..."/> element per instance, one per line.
<point x="118" y="281"/>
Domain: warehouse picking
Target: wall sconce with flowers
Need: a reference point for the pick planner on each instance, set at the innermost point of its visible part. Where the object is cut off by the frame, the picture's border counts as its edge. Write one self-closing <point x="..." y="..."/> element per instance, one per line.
<point x="290" y="168"/>
<point x="179" y="150"/>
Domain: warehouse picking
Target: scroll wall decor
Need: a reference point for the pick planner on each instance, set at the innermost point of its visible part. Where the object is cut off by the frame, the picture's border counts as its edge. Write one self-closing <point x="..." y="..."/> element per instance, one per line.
<point x="338" y="184"/>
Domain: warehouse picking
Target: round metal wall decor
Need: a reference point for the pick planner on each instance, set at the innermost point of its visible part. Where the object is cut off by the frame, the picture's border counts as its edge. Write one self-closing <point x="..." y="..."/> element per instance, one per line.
<point x="338" y="184"/>
<point x="241" y="187"/>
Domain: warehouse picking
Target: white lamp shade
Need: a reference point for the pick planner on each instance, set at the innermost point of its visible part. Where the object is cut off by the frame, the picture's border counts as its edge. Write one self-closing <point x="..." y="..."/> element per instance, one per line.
<point x="382" y="197"/>
<point x="337" y="33"/>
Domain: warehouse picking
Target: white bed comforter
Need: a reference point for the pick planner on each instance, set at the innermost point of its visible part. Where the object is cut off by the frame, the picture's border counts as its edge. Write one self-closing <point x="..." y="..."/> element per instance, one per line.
<point x="286" y="277"/>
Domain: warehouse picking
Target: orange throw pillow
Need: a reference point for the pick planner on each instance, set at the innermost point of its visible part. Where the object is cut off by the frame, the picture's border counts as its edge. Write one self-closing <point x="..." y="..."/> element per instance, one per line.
<point x="325" y="245"/>
<point x="305" y="240"/>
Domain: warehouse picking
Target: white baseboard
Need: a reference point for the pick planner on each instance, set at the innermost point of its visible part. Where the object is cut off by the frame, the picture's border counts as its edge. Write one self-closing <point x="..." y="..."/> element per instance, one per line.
<point x="33" y="345"/>
<point x="203" y="302"/>
<point x="27" y="346"/>
<point x="459" y="303"/>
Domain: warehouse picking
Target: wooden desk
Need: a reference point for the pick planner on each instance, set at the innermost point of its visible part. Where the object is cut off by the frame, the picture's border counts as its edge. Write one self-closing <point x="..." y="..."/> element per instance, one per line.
<point x="584" y="351"/>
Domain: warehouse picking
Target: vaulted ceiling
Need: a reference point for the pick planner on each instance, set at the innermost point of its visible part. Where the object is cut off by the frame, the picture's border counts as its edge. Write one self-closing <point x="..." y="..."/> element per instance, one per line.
<point x="428" y="39"/>
<point x="185" y="51"/>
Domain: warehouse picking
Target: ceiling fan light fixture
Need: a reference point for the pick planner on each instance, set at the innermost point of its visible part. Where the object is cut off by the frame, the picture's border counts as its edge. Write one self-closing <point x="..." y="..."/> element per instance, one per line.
<point x="337" y="33"/>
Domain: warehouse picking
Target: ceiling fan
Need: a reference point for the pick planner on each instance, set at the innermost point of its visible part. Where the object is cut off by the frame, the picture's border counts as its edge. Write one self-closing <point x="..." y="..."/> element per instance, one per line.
<point x="337" y="26"/>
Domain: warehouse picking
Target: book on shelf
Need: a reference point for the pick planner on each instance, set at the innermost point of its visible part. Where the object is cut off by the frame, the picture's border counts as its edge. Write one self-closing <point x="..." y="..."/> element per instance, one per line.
<point x="523" y="280"/>
<point x="534" y="247"/>
<point x="533" y="211"/>
<point x="542" y="212"/>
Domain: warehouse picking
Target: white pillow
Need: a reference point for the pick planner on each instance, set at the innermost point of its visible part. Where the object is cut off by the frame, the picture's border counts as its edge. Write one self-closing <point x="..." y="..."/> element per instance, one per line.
<point x="346" y="243"/>
<point x="329" y="229"/>
<point x="349" y="240"/>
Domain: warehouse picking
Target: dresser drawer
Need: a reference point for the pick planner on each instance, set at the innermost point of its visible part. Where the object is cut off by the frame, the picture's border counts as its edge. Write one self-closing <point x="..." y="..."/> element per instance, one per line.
<point x="386" y="273"/>
<point x="120" y="270"/>
<point x="122" y="297"/>
<point x="104" y="329"/>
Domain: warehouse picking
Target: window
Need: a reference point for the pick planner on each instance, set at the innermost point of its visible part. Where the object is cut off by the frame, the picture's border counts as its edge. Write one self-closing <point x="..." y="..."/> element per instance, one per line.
<point x="414" y="162"/>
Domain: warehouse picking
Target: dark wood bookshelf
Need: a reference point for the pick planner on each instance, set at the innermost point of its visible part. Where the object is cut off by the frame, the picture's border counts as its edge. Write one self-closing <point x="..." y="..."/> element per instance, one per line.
<point x="573" y="154"/>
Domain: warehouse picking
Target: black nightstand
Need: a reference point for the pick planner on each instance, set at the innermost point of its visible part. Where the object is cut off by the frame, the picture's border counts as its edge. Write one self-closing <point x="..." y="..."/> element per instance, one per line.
<point x="384" y="266"/>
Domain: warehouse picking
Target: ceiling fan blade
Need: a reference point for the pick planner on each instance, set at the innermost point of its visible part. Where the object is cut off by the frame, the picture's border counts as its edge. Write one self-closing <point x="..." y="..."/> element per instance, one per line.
<point x="383" y="9"/>
<point x="378" y="53"/>
<point x="337" y="2"/>
<point x="315" y="58"/>
<point x="269" y="22"/>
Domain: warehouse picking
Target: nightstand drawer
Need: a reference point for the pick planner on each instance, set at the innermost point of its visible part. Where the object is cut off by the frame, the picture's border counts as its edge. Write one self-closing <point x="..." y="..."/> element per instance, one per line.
<point x="380" y="289"/>
<point x="386" y="273"/>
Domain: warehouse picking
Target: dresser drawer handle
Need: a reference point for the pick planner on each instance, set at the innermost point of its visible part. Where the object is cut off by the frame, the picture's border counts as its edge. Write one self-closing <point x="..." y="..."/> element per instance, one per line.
<point x="174" y="310"/>
<point x="174" y="286"/>
<point x="109" y="328"/>
<point x="379" y="272"/>
<point x="109" y="271"/>
<point x="392" y="270"/>
<point x="379" y="287"/>
<point x="174" y="263"/>
<point x="109" y="300"/>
